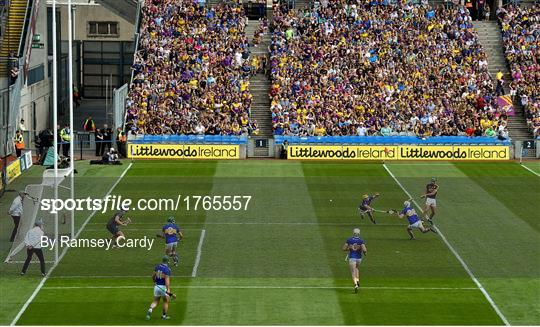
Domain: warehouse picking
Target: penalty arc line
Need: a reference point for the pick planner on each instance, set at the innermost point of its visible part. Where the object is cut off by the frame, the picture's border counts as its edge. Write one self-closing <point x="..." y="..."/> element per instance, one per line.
<point x="456" y="254"/>
<point x="199" y="251"/>
<point x="42" y="282"/>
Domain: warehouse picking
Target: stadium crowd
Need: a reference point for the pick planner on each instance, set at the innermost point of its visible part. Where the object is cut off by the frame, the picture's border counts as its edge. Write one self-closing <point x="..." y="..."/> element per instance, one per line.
<point x="191" y="73"/>
<point x="521" y="38"/>
<point x="366" y="67"/>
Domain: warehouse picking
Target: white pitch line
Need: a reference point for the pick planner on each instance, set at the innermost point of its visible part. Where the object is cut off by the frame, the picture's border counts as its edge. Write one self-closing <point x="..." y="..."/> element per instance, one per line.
<point x="456" y="254"/>
<point x="199" y="251"/>
<point x="33" y="261"/>
<point x="127" y="229"/>
<point x="111" y="277"/>
<point x="270" y="223"/>
<point x="42" y="282"/>
<point x="529" y="169"/>
<point x="267" y="287"/>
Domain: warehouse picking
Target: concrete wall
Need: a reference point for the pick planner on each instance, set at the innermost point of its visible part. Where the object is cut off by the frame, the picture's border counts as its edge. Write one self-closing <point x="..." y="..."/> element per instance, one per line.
<point x="38" y="93"/>
<point x="95" y="13"/>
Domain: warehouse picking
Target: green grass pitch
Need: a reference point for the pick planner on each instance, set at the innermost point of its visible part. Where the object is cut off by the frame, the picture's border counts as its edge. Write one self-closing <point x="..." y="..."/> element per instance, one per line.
<point x="279" y="262"/>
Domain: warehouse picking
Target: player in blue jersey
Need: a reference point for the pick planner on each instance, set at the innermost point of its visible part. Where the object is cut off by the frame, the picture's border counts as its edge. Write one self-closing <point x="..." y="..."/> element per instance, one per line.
<point x="356" y="248"/>
<point x="162" y="288"/>
<point x="414" y="222"/>
<point x="364" y="207"/>
<point x="431" y="200"/>
<point x="172" y="235"/>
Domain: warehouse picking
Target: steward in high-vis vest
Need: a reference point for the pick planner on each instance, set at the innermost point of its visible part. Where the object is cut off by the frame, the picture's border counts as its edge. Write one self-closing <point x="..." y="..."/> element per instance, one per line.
<point x="66" y="138"/>
<point x="121" y="140"/>
<point x="89" y="125"/>
<point x="19" y="143"/>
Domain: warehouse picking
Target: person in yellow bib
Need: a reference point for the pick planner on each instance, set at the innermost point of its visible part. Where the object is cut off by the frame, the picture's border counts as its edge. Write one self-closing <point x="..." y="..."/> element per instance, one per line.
<point x="19" y="143"/>
<point x="65" y="137"/>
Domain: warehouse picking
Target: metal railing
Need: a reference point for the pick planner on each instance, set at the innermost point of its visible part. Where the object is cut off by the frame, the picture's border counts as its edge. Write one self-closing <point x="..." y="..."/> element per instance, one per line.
<point x="85" y="144"/>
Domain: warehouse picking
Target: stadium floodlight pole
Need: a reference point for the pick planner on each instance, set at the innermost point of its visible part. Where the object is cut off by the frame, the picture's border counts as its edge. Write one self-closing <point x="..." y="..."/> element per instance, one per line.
<point x="70" y="95"/>
<point x="55" y="123"/>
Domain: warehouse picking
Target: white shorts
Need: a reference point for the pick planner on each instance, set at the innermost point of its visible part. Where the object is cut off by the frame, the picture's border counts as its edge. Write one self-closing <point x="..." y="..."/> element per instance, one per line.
<point x="171" y="246"/>
<point x="160" y="291"/>
<point x="430" y="202"/>
<point x="354" y="261"/>
<point x="417" y="224"/>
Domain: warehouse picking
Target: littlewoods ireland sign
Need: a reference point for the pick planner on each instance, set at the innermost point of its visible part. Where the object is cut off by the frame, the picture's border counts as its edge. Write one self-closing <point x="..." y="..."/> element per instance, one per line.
<point x="183" y="151"/>
<point x="398" y="152"/>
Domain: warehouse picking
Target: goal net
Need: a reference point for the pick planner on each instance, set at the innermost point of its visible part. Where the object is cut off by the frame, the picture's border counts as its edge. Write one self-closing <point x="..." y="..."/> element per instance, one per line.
<point x="33" y="211"/>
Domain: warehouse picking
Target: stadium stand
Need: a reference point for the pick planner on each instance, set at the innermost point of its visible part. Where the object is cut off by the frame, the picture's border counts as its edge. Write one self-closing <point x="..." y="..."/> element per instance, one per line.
<point x="375" y="68"/>
<point x="192" y="71"/>
<point x="521" y="35"/>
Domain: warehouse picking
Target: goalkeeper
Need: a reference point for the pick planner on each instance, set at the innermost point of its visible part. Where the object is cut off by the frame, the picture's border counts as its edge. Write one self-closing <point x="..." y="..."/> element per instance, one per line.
<point x="113" y="226"/>
<point x="162" y="288"/>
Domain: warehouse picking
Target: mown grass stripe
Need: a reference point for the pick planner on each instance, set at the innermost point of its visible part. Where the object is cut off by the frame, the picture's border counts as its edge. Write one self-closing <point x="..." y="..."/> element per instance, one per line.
<point x="455" y="253"/>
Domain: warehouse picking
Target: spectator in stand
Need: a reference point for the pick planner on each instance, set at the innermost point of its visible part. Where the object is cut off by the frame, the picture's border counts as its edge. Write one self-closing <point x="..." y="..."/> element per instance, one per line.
<point x="357" y="67"/>
<point x="192" y="70"/>
<point x="521" y="36"/>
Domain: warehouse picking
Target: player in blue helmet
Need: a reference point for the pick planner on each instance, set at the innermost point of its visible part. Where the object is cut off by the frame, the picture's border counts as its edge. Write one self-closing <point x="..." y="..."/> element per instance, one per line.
<point x="172" y="235"/>
<point x="162" y="288"/>
<point x="414" y="221"/>
<point x="356" y="248"/>
<point x="364" y="207"/>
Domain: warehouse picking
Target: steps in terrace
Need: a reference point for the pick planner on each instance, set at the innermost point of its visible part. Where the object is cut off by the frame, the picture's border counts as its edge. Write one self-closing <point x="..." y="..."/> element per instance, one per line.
<point x="489" y="35"/>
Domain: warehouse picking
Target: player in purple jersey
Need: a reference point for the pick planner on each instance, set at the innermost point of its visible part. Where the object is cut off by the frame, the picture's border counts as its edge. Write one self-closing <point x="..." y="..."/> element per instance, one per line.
<point x="431" y="200"/>
<point x="162" y="288"/>
<point x="356" y="249"/>
<point x="414" y="222"/>
<point x="364" y="207"/>
<point x="172" y="235"/>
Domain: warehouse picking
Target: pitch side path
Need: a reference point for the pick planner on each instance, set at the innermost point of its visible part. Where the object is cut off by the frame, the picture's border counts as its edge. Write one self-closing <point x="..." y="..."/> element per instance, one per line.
<point x="279" y="261"/>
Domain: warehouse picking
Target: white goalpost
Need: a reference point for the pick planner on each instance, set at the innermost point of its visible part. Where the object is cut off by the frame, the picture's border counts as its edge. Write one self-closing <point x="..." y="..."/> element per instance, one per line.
<point x="53" y="185"/>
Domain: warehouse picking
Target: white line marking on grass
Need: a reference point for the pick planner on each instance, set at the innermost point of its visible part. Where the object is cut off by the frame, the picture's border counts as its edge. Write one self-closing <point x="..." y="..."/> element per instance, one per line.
<point x="42" y="282"/>
<point x="268" y="287"/>
<point x="198" y="258"/>
<point x="529" y="169"/>
<point x="112" y="277"/>
<point x="33" y="261"/>
<point x="268" y="223"/>
<point x="456" y="254"/>
<point x="134" y="229"/>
